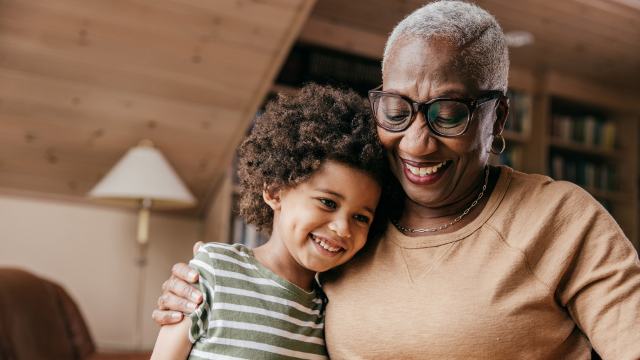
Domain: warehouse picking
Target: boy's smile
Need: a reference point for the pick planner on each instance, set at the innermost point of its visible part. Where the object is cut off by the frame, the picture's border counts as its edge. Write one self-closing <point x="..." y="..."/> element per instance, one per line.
<point x="320" y="223"/>
<point x="326" y="244"/>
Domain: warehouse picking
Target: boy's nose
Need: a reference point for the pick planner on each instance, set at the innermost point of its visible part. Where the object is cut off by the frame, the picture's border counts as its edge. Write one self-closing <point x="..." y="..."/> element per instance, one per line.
<point x="341" y="228"/>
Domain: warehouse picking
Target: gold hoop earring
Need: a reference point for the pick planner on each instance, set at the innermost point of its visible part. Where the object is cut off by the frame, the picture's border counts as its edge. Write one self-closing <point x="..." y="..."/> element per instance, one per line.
<point x="503" y="145"/>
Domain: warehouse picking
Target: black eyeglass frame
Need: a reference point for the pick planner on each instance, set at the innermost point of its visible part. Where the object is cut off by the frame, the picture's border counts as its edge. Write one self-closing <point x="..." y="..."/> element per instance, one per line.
<point x="471" y="104"/>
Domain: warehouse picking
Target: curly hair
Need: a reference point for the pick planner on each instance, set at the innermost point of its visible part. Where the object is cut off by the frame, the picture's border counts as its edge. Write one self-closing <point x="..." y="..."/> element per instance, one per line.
<point x="295" y="135"/>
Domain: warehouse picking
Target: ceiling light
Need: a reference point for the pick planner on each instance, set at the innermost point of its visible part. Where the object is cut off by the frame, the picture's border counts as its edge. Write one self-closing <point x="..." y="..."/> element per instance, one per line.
<point x="519" y="38"/>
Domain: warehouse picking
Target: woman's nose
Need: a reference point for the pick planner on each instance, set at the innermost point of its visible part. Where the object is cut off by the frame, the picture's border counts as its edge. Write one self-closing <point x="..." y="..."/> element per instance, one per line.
<point x="417" y="139"/>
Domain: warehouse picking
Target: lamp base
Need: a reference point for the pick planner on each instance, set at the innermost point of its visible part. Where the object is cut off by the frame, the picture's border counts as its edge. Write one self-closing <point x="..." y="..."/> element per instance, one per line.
<point x="141" y="264"/>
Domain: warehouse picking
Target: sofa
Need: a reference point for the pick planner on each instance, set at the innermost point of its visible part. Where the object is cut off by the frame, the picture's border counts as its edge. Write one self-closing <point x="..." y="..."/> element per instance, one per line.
<point x="39" y="320"/>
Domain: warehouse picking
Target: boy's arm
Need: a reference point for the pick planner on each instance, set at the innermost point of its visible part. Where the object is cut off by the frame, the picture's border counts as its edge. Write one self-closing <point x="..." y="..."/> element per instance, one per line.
<point x="173" y="341"/>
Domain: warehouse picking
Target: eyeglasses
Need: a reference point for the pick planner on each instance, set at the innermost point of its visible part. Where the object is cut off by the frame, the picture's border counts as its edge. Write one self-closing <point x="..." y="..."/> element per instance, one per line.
<point x="445" y="117"/>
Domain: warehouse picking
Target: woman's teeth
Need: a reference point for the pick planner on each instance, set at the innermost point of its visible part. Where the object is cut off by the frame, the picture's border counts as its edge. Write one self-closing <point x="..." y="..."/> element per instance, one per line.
<point x="325" y="245"/>
<point x="422" y="171"/>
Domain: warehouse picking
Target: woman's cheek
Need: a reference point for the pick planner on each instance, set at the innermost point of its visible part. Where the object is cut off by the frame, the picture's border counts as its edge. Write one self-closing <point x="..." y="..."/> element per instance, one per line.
<point x="386" y="139"/>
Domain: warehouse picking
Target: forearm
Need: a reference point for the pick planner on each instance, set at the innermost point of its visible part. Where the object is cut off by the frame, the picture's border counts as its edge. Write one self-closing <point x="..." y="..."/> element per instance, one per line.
<point x="173" y="341"/>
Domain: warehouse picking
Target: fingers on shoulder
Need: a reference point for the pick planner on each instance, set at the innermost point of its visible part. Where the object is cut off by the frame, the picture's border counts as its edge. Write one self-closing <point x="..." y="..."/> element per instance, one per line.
<point x="196" y="247"/>
<point x="184" y="272"/>
<point x="163" y="317"/>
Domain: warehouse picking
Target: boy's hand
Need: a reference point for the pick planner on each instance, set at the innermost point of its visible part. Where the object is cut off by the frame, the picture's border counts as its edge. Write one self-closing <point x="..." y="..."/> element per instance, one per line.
<point x="178" y="295"/>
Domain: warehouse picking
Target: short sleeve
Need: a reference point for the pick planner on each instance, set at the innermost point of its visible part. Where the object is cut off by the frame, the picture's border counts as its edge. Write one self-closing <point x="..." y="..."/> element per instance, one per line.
<point x="204" y="264"/>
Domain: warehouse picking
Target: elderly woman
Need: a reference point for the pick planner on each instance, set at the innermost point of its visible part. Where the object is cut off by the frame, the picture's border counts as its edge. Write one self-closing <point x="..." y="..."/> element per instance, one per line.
<point x="482" y="262"/>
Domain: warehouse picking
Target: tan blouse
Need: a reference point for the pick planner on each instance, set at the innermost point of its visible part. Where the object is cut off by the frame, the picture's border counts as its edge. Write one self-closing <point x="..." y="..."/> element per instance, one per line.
<point x="540" y="272"/>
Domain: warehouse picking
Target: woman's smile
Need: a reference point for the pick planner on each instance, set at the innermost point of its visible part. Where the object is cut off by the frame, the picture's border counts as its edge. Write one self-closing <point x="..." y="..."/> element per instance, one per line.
<point x="424" y="173"/>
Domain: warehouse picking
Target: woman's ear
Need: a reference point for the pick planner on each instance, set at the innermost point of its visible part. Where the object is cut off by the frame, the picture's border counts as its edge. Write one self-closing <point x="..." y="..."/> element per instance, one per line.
<point x="271" y="196"/>
<point x="502" y="112"/>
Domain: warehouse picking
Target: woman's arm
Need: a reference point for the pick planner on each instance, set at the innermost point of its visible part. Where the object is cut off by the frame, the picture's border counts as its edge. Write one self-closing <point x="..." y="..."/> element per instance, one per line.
<point x="601" y="290"/>
<point x="596" y="276"/>
<point x="173" y="341"/>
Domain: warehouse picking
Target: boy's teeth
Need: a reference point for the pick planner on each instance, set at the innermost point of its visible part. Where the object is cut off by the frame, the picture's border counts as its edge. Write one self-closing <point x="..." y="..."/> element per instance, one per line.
<point x="422" y="171"/>
<point x="325" y="245"/>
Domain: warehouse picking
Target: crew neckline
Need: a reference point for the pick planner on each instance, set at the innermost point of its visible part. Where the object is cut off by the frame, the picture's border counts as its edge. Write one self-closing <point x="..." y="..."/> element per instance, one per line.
<point x="286" y="284"/>
<point x="499" y="190"/>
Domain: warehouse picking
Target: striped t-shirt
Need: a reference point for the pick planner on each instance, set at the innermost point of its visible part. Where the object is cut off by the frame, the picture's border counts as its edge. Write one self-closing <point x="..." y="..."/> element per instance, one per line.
<point x="249" y="312"/>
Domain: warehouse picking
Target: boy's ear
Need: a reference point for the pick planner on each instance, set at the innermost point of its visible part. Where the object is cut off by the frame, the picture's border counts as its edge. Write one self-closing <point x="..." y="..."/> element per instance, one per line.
<point x="271" y="196"/>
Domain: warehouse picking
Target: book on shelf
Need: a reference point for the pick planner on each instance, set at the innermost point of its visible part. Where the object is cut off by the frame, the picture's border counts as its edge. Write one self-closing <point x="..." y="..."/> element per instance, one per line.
<point x="596" y="178"/>
<point x="585" y="130"/>
<point x="608" y="135"/>
<point x="586" y="173"/>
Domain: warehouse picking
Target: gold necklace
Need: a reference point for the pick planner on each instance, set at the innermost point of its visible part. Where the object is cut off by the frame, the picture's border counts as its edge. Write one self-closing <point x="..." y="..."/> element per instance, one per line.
<point x="458" y="218"/>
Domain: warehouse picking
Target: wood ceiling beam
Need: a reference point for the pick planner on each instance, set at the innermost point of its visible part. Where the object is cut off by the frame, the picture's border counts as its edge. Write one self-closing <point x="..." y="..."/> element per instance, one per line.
<point x="324" y="32"/>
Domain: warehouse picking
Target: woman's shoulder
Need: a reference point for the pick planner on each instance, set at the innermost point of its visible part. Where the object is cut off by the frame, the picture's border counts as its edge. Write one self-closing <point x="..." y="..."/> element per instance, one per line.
<point x="535" y="189"/>
<point x="536" y="206"/>
<point x="537" y="210"/>
<point x="556" y="226"/>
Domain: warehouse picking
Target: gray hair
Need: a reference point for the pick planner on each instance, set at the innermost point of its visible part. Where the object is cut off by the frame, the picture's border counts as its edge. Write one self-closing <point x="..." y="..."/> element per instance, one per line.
<point x="471" y="29"/>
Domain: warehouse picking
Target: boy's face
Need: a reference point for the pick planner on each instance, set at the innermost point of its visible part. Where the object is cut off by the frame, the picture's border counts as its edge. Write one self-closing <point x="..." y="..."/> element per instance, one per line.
<point x="325" y="220"/>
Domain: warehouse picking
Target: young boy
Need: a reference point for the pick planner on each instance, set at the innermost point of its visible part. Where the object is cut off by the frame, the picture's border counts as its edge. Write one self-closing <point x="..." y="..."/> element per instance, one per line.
<point x="311" y="172"/>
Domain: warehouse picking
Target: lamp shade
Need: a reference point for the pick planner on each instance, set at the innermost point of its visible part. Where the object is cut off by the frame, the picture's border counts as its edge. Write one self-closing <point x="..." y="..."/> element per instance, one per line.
<point x="143" y="174"/>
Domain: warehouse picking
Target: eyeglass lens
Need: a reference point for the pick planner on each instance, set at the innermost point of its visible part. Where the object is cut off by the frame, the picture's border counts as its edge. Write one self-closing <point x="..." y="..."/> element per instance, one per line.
<point x="446" y="117"/>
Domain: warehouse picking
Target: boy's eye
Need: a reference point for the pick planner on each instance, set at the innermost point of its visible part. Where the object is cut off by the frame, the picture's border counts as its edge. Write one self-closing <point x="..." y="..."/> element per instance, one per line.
<point x="328" y="203"/>
<point x="362" y="218"/>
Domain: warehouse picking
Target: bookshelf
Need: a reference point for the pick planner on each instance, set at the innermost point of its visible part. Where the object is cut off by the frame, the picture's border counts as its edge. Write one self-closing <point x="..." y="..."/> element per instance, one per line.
<point x="577" y="136"/>
<point x="585" y="149"/>
<point x="595" y="146"/>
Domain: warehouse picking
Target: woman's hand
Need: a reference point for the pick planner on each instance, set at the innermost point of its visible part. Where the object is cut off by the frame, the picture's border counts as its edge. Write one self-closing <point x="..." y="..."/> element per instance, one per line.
<point x="178" y="294"/>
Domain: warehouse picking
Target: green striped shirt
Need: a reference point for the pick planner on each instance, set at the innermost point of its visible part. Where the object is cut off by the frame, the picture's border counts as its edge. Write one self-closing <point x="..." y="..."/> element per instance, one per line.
<point x="249" y="312"/>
